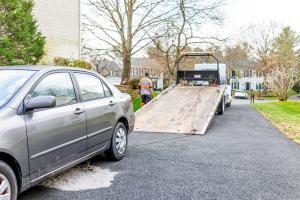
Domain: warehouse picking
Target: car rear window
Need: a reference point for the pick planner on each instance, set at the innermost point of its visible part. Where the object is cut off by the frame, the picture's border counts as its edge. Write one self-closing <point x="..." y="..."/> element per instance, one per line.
<point x="91" y="87"/>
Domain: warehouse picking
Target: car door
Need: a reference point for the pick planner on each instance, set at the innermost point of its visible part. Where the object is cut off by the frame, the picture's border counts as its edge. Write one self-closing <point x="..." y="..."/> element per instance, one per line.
<point x="100" y="107"/>
<point x="56" y="136"/>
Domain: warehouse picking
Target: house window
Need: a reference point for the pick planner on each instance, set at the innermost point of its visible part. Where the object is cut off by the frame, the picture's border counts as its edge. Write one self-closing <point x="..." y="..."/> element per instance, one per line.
<point x="259" y="86"/>
<point x="258" y="73"/>
<point x="233" y="74"/>
<point x="247" y="73"/>
<point x="235" y="85"/>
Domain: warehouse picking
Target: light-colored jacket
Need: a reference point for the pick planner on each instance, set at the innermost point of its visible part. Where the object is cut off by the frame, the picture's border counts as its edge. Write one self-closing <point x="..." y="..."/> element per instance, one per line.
<point x="146" y="86"/>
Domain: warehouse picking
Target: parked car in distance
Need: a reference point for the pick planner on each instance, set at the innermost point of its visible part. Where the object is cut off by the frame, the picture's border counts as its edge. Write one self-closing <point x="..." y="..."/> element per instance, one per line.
<point x="53" y="118"/>
<point x="240" y="94"/>
<point x="228" y="95"/>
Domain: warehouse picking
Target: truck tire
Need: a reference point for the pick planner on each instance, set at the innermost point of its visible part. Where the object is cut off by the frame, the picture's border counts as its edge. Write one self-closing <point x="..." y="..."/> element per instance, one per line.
<point x="221" y="107"/>
<point x="119" y="140"/>
<point x="10" y="189"/>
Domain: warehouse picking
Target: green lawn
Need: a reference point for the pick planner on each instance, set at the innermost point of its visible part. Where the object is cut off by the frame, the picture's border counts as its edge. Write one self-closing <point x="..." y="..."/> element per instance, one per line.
<point x="137" y="101"/>
<point x="270" y="95"/>
<point x="284" y="115"/>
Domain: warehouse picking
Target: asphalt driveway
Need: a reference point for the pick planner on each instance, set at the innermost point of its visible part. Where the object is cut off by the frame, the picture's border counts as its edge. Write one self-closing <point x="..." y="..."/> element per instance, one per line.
<point x="242" y="157"/>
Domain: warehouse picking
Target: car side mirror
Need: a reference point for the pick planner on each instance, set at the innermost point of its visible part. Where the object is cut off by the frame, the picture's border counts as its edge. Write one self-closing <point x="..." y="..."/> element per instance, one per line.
<point x="40" y="102"/>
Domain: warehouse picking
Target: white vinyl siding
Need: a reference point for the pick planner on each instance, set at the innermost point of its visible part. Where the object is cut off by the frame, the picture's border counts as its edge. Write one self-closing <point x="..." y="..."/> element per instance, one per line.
<point x="59" y="22"/>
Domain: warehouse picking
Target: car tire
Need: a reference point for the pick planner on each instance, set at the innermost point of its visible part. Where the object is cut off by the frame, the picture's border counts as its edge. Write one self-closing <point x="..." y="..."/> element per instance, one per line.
<point x="221" y="107"/>
<point x="119" y="141"/>
<point x="8" y="175"/>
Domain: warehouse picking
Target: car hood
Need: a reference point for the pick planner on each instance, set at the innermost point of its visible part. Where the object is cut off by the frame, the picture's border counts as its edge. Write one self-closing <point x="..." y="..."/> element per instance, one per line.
<point x="5" y="112"/>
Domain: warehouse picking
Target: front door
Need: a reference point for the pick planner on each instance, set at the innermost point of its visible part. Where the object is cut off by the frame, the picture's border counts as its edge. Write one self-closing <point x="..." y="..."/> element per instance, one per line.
<point x="100" y="108"/>
<point x="248" y="86"/>
<point x="56" y="136"/>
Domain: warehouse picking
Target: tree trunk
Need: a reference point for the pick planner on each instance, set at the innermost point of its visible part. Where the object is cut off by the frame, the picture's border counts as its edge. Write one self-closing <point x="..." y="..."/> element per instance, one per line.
<point x="127" y="47"/>
<point x="171" y="79"/>
<point x="126" y="69"/>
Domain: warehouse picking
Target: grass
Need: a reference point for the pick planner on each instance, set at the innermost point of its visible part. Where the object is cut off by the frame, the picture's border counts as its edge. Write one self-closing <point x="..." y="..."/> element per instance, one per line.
<point x="136" y="104"/>
<point x="137" y="100"/>
<point x="284" y="115"/>
<point x="270" y="95"/>
<point x="270" y="98"/>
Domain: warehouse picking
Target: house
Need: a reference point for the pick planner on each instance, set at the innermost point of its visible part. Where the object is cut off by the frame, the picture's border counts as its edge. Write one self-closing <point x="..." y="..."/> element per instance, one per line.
<point x="246" y="76"/>
<point x="108" y="68"/>
<point x="59" y="22"/>
<point x="139" y="66"/>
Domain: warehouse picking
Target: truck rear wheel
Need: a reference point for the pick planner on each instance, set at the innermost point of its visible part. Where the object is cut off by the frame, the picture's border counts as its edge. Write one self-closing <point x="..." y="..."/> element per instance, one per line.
<point x="221" y="107"/>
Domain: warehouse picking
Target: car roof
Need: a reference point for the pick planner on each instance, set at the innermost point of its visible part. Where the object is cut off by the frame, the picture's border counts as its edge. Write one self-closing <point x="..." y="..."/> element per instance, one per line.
<point x="41" y="68"/>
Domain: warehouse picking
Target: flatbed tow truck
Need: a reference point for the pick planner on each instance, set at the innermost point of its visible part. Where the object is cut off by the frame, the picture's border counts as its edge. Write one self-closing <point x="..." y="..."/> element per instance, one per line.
<point x="189" y="105"/>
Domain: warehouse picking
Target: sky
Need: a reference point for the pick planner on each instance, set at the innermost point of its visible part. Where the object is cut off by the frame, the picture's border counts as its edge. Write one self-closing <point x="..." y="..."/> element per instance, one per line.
<point x="239" y="14"/>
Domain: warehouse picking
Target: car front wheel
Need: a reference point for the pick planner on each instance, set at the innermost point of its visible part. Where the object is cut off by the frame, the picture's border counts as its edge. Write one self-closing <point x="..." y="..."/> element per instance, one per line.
<point x="119" y="142"/>
<point x="8" y="183"/>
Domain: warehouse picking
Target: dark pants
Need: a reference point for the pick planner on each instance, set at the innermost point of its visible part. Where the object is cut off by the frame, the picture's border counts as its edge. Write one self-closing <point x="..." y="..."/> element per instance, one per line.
<point x="146" y="98"/>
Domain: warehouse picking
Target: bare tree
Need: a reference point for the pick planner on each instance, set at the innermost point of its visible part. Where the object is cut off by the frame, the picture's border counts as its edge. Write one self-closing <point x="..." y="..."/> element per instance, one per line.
<point x="282" y="80"/>
<point x="285" y="58"/>
<point x="181" y="31"/>
<point x="263" y="37"/>
<point x="237" y="54"/>
<point x="125" y="26"/>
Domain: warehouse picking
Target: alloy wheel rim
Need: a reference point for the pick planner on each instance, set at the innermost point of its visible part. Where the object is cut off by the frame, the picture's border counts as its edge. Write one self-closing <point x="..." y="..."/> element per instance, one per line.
<point x="121" y="141"/>
<point x="5" y="190"/>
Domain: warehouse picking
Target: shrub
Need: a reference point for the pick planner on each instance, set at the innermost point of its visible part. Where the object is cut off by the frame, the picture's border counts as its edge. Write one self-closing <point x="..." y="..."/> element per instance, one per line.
<point x="296" y="87"/>
<point x="60" y="61"/>
<point x="20" y="41"/>
<point x="134" y="83"/>
<point x="82" y="64"/>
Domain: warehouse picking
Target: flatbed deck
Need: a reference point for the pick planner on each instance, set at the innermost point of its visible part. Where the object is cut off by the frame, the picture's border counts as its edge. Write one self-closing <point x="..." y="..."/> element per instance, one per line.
<point x="183" y="109"/>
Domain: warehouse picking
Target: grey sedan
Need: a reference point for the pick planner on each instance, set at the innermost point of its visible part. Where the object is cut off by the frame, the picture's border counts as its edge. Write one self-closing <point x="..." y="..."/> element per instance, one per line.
<point x="52" y="118"/>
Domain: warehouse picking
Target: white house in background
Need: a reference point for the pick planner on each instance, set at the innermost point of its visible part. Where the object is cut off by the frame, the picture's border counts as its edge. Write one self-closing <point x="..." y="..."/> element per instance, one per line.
<point x="139" y="66"/>
<point x="246" y="79"/>
<point x="59" y="22"/>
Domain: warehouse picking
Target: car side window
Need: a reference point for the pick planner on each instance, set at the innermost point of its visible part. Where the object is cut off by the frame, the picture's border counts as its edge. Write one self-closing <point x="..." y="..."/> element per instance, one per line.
<point x="107" y="91"/>
<point x="58" y="85"/>
<point x="90" y="86"/>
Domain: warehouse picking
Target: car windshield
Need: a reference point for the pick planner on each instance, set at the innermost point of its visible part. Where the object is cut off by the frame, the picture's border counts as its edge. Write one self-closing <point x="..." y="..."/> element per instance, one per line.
<point x="10" y="82"/>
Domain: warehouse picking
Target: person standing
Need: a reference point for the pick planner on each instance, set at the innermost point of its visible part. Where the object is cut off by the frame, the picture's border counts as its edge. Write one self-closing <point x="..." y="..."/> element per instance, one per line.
<point x="146" y="89"/>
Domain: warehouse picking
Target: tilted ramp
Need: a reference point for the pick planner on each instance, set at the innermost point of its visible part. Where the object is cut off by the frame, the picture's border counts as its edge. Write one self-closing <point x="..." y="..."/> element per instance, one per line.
<point x="182" y="109"/>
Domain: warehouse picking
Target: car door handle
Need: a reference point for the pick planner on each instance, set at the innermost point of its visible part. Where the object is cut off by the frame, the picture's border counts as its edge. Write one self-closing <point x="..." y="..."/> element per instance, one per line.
<point x="111" y="103"/>
<point x="78" y="111"/>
